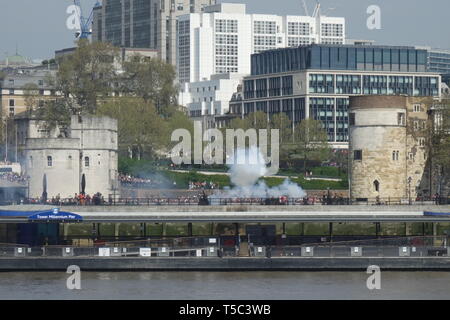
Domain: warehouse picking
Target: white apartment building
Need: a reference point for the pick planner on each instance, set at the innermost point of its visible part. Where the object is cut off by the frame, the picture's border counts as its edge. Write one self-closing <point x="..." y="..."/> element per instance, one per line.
<point x="222" y="38"/>
<point x="210" y="97"/>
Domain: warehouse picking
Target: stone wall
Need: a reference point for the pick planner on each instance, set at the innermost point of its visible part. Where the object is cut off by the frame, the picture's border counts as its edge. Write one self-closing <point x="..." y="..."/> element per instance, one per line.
<point x="390" y="132"/>
<point x="90" y="149"/>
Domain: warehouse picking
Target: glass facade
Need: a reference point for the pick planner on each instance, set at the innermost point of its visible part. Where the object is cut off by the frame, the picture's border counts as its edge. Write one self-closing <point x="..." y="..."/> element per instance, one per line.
<point x="348" y="84"/>
<point x="321" y="83"/>
<point x="274" y="87"/>
<point x="326" y="75"/>
<point x="342" y="119"/>
<point x="299" y="109"/>
<point x="340" y="57"/>
<point x="439" y="61"/>
<point x="375" y="84"/>
<point x="113" y="22"/>
<point x="426" y="86"/>
<point x="400" y="85"/>
<point x="323" y="109"/>
<point x="141" y="23"/>
<point x="287" y="85"/>
<point x="261" y="88"/>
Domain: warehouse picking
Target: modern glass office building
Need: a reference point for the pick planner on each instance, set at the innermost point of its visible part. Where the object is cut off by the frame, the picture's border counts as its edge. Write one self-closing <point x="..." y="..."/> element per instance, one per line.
<point x="439" y="62"/>
<point x="143" y="23"/>
<point x="316" y="81"/>
<point x="337" y="57"/>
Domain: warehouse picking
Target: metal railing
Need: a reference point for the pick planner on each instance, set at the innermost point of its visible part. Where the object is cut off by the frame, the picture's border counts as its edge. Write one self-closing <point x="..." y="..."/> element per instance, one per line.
<point x="194" y="201"/>
<point x="211" y="247"/>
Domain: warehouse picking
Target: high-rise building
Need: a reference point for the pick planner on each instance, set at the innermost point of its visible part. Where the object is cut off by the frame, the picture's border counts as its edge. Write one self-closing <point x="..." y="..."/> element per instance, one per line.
<point x="143" y="23"/>
<point x="222" y="37"/>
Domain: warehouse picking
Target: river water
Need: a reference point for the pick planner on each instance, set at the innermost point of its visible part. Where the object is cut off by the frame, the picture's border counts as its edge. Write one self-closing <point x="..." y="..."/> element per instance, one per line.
<point x="225" y="285"/>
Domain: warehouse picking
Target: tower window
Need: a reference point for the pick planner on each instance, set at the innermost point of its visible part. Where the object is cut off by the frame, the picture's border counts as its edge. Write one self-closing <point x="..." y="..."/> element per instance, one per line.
<point x="357" y="155"/>
<point x="49" y="161"/>
<point x="401" y="119"/>
<point x="86" y="161"/>
<point x="395" y="155"/>
<point x="376" y="185"/>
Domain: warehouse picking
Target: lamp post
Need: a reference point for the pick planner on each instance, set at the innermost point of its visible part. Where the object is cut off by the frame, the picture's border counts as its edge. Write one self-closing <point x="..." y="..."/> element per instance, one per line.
<point x="409" y="189"/>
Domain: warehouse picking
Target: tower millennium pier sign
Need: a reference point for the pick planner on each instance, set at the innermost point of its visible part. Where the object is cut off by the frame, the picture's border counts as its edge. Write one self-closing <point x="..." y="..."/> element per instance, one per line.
<point x="55" y="216"/>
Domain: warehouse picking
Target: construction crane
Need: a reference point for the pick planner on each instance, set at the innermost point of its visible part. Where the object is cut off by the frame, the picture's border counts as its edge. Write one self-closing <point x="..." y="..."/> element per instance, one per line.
<point x="85" y="23"/>
<point x="316" y="12"/>
<point x="305" y="8"/>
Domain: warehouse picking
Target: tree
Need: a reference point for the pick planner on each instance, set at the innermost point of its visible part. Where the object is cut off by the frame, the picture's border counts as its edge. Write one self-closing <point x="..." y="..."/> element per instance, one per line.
<point x="152" y="80"/>
<point x="31" y="94"/>
<point x="311" y="142"/>
<point x="141" y="130"/>
<point x="56" y="113"/>
<point x="86" y="75"/>
<point x="238" y="123"/>
<point x="340" y="157"/>
<point x="281" y="122"/>
<point x="257" y="120"/>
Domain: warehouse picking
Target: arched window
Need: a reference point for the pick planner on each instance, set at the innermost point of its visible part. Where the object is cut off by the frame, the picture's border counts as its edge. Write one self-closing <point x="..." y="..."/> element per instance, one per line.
<point x="86" y="161"/>
<point x="49" y="161"/>
<point x="376" y="185"/>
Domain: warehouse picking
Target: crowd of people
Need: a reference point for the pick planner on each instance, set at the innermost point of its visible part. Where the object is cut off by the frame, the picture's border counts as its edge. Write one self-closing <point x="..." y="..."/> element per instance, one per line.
<point x="77" y="199"/>
<point x="141" y="182"/>
<point x="202" y="185"/>
<point x="13" y="177"/>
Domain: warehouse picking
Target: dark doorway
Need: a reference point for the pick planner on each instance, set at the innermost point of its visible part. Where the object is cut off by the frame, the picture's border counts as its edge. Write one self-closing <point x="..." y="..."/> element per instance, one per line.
<point x="83" y="184"/>
<point x="261" y="234"/>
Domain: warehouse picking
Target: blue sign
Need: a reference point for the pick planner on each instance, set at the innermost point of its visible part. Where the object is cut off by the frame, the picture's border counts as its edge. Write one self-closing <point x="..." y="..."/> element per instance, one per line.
<point x="56" y="216"/>
<point x="429" y="213"/>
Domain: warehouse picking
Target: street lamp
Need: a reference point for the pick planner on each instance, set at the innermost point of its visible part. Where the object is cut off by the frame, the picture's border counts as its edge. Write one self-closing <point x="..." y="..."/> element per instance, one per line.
<point x="409" y="189"/>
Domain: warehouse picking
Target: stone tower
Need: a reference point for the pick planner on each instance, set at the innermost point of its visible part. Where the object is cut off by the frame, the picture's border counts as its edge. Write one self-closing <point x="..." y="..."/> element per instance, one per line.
<point x="65" y="161"/>
<point x="388" y="147"/>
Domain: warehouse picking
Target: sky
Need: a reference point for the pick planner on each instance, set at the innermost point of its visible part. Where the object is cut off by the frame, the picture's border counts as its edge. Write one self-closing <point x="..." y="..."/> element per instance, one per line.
<point x="38" y="27"/>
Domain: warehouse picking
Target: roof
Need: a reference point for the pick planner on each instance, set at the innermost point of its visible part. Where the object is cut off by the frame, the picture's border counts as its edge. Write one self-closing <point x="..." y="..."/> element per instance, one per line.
<point x="17" y="60"/>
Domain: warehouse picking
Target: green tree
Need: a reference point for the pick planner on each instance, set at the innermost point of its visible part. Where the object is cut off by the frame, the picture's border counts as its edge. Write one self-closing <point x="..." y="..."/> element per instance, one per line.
<point x="257" y="120"/>
<point x="281" y="122"/>
<point x="31" y="94"/>
<point x="86" y="76"/>
<point x="142" y="132"/>
<point x="311" y="143"/>
<point x="238" y="123"/>
<point x="56" y="113"/>
<point x="152" y="80"/>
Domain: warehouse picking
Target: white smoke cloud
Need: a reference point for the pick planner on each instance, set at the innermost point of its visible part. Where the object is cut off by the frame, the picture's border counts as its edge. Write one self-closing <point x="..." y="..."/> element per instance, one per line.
<point x="249" y="166"/>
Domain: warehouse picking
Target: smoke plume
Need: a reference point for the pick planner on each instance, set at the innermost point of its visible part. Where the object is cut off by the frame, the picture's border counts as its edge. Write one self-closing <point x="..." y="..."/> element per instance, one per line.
<point x="249" y="166"/>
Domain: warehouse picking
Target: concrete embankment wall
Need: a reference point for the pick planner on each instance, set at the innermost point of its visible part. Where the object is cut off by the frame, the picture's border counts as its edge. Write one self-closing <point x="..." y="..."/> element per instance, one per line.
<point x="224" y="264"/>
<point x="236" y="208"/>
